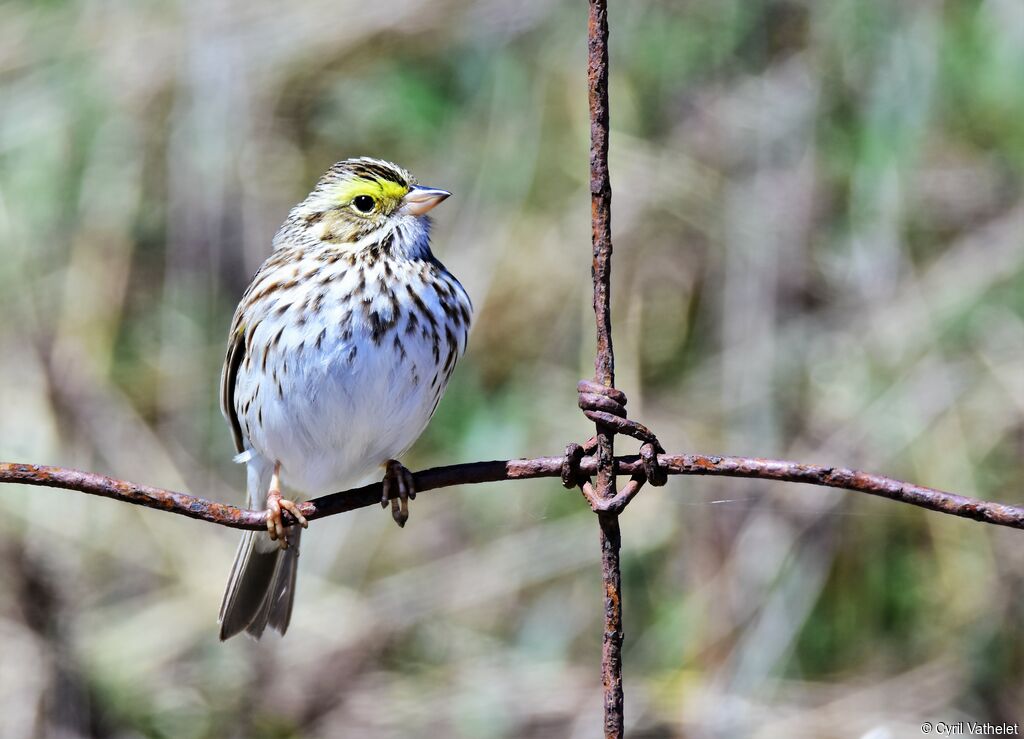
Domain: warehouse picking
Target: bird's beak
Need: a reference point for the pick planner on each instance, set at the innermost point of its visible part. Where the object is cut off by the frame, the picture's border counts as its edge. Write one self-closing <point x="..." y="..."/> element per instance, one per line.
<point x="420" y="200"/>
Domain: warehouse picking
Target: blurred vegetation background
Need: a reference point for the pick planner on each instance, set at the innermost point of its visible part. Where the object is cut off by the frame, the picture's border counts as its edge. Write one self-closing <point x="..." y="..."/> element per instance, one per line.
<point x="819" y="243"/>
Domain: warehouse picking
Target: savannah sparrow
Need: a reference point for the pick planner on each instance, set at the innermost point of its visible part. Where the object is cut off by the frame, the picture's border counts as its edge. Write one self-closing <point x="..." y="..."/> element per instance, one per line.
<point x="338" y="355"/>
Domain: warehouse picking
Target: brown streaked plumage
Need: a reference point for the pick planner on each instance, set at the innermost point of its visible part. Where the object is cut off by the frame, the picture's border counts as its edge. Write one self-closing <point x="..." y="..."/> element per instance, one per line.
<point x="322" y="381"/>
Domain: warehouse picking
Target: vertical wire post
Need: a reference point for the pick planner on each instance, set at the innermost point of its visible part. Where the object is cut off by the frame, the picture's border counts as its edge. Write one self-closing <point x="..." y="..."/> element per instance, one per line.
<point x="604" y="364"/>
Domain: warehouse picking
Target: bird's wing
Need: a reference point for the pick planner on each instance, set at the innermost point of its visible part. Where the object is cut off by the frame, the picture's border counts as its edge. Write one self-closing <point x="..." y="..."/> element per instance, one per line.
<point x="228" y="378"/>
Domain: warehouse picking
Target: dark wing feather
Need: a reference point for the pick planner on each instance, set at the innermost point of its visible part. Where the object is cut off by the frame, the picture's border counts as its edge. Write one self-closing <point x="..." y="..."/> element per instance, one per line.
<point x="233" y="360"/>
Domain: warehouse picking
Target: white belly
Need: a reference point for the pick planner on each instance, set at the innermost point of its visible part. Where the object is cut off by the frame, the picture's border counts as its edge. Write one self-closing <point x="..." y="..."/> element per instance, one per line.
<point x="337" y="420"/>
<point x="342" y="393"/>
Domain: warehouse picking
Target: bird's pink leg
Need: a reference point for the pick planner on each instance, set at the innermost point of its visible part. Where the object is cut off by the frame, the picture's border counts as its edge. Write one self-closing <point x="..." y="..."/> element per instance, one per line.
<point x="275" y="525"/>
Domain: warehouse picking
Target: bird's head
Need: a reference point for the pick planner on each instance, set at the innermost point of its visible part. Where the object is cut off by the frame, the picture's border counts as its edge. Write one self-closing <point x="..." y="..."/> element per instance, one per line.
<point x="358" y="198"/>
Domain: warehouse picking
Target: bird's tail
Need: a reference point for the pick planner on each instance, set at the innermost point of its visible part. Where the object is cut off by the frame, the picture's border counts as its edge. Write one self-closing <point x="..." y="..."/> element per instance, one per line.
<point x="261" y="588"/>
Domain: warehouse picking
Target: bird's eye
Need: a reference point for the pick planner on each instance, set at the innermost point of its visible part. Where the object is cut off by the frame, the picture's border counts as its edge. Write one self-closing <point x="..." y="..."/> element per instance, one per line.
<point x="363" y="203"/>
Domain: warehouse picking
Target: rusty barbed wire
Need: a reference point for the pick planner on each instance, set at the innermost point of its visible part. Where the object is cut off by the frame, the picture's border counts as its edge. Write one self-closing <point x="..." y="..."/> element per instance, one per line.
<point x="604" y="370"/>
<point x="472" y="473"/>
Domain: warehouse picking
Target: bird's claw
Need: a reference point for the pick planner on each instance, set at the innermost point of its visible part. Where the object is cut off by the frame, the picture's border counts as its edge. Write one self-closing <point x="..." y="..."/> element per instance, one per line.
<point x="398" y="489"/>
<point x="275" y="522"/>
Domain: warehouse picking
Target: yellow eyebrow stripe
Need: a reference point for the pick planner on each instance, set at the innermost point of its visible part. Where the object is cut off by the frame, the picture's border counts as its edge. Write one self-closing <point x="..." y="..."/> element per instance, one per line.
<point x="381" y="189"/>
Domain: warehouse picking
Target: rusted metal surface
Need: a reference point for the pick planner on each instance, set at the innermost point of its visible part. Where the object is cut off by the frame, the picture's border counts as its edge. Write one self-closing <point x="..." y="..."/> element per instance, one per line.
<point x="601" y="229"/>
<point x="604" y="363"/>
<point x="998" y="514"/>
<point x="130" y="492"/>
<point x="611" y="645"/>
<point x="606" y="406"/>
<point x="600" y="187"/>
<point x="839" y="477"/>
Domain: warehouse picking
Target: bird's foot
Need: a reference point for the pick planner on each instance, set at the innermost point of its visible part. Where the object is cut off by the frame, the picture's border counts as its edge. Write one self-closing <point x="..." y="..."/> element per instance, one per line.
<point x="275" y="522"/>
<point x="398" y="488"/>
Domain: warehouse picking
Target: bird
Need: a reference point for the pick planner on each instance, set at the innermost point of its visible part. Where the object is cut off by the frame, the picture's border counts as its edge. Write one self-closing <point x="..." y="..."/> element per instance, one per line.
<point x="338" y="355"/>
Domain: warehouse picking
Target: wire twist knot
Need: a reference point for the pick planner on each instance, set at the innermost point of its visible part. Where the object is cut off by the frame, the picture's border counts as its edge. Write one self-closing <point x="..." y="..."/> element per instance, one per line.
<point x="606" y="406"/>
